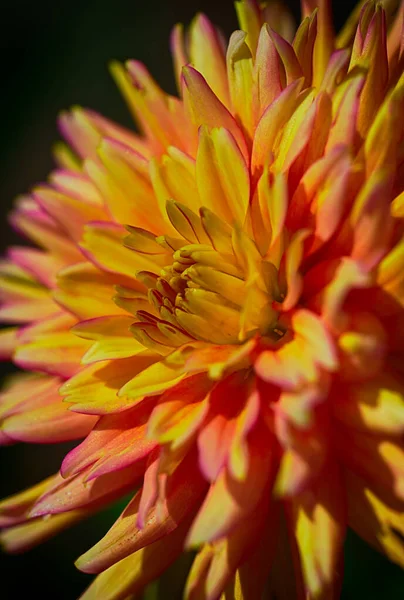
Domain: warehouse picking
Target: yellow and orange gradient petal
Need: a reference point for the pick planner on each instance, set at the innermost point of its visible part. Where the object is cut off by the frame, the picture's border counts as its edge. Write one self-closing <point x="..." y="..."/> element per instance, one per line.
<point x="215" y="308"/>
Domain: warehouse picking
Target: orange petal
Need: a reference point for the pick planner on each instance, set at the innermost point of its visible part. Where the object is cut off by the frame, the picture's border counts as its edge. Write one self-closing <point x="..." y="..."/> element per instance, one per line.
<point x="34" y="223"/>
<point x="378" y="460"/>
<point x="43" y="266"/>
<point x="131" y="574"/>
<point x="71" y="213"/>
<point x="69" y="494"/>
<point x="14" y="508"/>
<point x="272" y="121"/>
<point x="116" y="178"/>
<point x="249" y="17"/>
<point x="323" y="45"/>
<point x="229" y="500"/>
<point x="371" y="220"/>
<point x="36" y="531"/>
<point x="376" y="522"/>
<point x="390" y="275"/>
<point x="267" y="74"/>
<point x="303" y="44"/>
<point x="88" y="292"/>
<point x="318" y="523"/>
<point x="206" y="54"/>
<point x="305" y="444"/>
<point x="27" y="391"/>
<point x="215" y="564"/>
<point x="206" y="109"/>
<point x="173" y="178"/>
<point x="183" y="490"/>
<point x="53" y="353"/>
<point x="8" y="342"/>
<point x="49" y="424"/>
<point x="372" y="406"/>
<point x="111" y="450"/>
<point x="180" y="410"/>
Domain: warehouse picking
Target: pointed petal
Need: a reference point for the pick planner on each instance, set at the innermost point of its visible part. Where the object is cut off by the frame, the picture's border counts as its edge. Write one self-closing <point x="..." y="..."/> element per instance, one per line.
<point x="54" y="353"/>
<point x="375" y="521"/>
<point x="106" y="436"/>
<point x="36" y="531"/>
<point x="206" y="109"/>
<point x="94" y="390"/>
<point x="88" y="292"/>
<point x="112" y="336"/>
<point x="51" y="424"/>
<point x="272" y="121"/>
<point x="14" y="508"/>
<point x="69" y="494"/>
<point x="240" y="75"/>
<point x="71" y="213"/>
<point x="183" y="490"/>
<point x="318" y="521"/>
<point x="378" y="460"/>
<point x="131" y="574"/>
<point x="8" y="342"/>
<point x="153" y="380"/>
<point x="206" y="54"/>
<point x="222" y="176"/>
<point x="102" y="244"/>
<point x="229" y="500"/>
<point x="215" y="564"/>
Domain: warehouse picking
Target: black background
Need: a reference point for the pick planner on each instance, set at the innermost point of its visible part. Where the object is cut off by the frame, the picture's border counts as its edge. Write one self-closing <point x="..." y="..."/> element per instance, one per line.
<point x="54" y="55"/>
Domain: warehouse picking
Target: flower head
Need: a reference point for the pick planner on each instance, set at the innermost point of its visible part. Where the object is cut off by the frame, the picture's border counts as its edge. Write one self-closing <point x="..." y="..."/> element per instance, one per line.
<point x="219" y="301"/>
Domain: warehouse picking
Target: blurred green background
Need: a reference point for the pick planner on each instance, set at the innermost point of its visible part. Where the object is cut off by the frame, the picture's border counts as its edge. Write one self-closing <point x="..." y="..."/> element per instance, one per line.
<point x="54" y="55"/>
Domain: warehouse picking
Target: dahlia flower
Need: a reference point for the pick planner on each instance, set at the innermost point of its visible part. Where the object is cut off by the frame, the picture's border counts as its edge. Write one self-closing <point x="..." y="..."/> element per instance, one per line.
<point x="214" y="308"/>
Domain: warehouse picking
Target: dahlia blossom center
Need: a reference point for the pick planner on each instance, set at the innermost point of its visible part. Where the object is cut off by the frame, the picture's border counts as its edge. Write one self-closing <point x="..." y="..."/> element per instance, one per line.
<point x="213" y="286"/>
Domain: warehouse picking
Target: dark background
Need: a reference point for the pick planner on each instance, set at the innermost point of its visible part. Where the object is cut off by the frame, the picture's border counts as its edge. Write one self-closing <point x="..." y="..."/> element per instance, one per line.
<point x="54" y="55"/>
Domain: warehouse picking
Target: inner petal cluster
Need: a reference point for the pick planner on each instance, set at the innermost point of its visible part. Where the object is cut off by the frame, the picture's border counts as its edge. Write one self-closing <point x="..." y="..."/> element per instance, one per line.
<point x="213" y="284"/>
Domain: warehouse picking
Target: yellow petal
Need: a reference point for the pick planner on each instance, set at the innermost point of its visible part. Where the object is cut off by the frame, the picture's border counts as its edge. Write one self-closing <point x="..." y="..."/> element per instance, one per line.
<point x="206" y="54"/>
<point x="375" y="405"/>
<point x="206" y="109"/>
<point x="271" y="123"/>
<point x="240" y="73"/>
<point x="117" y="181"/>
<point x="267" y="74"/>
<point x="318" y="522"/>
<point x="391" y="273"/>
<point x="222" y="176"/>
<point x="131" y="574"/>
<point x="94" y="389"/>
<point x="102" y="242"/>
<point x="377" y="523"/>
<point x="87" y="292"/>
<point x="54" y="353"/>
<point x="249" y="17"/>
<point x="152" y="380"/>
<point x="70" y="212"/>
<point x="28" y="535"/>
